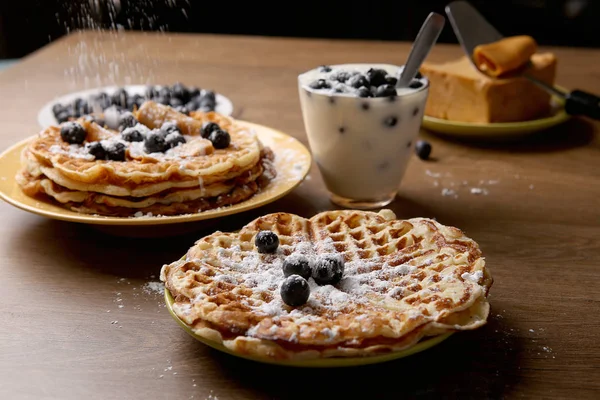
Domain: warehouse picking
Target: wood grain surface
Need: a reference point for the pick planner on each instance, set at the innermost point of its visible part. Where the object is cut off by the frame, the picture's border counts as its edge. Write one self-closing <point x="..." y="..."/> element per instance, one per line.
<point x="77" y="319"/>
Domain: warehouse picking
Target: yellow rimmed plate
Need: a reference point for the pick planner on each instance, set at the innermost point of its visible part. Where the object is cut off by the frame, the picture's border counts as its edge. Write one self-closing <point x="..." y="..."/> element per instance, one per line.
<point x="316" y="363"/>
<point x="503" y="130"/>
<point x="292" y="161"/>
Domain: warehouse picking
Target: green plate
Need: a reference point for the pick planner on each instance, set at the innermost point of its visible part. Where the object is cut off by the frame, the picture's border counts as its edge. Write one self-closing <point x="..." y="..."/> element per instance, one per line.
<point x="315" y="363"/>
<point x="503" y="130"/>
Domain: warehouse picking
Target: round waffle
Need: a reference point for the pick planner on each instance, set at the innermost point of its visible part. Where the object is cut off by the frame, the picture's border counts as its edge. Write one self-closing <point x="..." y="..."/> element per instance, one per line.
<point x="169" y="202"/>
<point x="42" y="185"/>
<point x="191" y="177"/>
<point x="403" y="280"/>
<point x="196" y="159"/>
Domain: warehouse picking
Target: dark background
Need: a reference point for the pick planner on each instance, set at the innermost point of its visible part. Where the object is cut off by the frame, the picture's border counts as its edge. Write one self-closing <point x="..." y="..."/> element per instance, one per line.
<point x="26" y="25"/>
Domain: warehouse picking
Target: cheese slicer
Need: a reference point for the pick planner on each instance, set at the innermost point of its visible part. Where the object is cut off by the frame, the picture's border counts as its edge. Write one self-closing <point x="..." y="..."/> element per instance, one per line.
<point x="472" y="30"/>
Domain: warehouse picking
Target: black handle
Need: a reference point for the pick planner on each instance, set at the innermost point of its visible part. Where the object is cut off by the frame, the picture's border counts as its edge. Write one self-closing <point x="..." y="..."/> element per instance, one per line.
<point x="582" y="103"/>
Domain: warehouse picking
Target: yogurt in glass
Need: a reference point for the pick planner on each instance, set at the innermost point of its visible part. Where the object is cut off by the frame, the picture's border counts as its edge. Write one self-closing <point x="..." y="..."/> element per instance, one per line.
<point x="361" y="129"/>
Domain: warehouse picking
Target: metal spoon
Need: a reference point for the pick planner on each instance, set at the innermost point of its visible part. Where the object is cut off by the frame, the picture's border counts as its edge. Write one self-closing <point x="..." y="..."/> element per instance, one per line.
<point x="426" y="38"/>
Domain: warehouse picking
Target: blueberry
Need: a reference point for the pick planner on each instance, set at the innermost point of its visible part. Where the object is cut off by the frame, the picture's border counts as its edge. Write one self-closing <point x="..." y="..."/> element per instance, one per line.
<point x="294" y="291"/>
<point x="297" y="264"/>
<point x="324" y="68"/>
<point x="418" y="76"/>
<point x="96" y="149"/>
<point x="102" y="101"/>
<point x="220" y="139"/>
<point x="357" y="81"/>
<point x="165" y="92"/>
<point x="180" y="92"/>
<point x="139" y="100"/>
<point x="192" y="105"/>
<point x="73" y="133"/>
<point x="194" y="92"/>
<point x="385" y="91"/>
<point x="342" y="76"/>
<point x="363" y="92"/>
<point x="85" y="107"/>
<point x="169" y="127"/>
<point x="127" y="120"/>
<point x="175" y="102"/>
<point x="119" y="98"/>
<point x="183" y="110"/>
<point x="328" y="269"/>
<point x="77" y="107"/>
<point x="162" y="100"/>
<point x="154" y="142"/>
<point x="391" y="80"/>
<point x="266" y="241"/>
<point x="57" y="109"/>
<point x="151" y="92"/>
<point x="423" y="149"/>
<point x="415" y="84"/>
<point x="319" y="84"/>
<point x="206" y="108"/>
<point x="77" y="103"/>
<point x="208" y="128"/>
<point x="63" y="116"/>
<point x="210" y="95"/>
<point x="207" y="104"/>
<point x="390" y="121"/>
<point x="174" y="139"/>
<point x="132" y="135"/>
<point x="116" y="152"/>
<point x="376" y="76"/>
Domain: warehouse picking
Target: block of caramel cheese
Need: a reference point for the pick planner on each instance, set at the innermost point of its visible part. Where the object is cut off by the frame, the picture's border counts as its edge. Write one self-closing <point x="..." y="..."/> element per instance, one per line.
<point x="459" y="92"/>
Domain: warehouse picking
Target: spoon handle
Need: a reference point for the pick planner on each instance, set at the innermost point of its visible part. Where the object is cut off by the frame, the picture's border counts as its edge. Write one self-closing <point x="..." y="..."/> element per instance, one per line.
<point x="426" y="38"/>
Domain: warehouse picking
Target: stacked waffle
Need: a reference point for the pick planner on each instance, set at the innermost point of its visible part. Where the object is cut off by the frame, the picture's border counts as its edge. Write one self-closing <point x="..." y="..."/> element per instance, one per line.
<point x="402" y="281"/>
<point x="161" y="162"/>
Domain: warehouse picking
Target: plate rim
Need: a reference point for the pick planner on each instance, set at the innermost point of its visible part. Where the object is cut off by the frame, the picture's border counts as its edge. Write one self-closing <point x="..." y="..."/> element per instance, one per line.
<point x="333" y="362"/>
<point x="243" y="206"/>
<point x="46" y="109"/>
<point x="498" y="128"/>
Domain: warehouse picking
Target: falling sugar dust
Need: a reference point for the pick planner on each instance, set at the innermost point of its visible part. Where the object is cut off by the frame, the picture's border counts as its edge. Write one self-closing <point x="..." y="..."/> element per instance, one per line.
<point x="104" y="60"/>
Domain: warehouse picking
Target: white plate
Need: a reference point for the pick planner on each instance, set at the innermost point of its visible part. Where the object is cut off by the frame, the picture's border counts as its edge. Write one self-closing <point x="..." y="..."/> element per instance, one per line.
<point x="46" y="117"/>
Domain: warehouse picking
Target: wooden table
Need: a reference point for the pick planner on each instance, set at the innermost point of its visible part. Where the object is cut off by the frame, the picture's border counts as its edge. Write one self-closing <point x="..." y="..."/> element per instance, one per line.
<point x="77" y="319"/>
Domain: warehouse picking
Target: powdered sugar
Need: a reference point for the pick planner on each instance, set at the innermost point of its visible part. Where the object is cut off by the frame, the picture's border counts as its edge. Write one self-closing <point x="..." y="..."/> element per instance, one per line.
<point x="449" y="192"/>
<point x="172" y="136"/>
<point x="110" y="144"/>
<point x="74" y="151"/>
<point x="142" y="129"/>
<point x="474" y="277"/>
<point x="284" y="158"/>
<point x="154" y="288"/>
<point x="477" y="190"/>
<point x="263" y="273"/>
